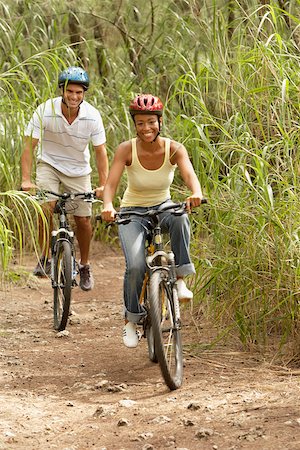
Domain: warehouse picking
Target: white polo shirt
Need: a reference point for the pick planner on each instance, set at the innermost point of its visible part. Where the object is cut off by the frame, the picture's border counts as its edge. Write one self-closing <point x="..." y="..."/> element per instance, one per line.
<point x="63" y="145"/>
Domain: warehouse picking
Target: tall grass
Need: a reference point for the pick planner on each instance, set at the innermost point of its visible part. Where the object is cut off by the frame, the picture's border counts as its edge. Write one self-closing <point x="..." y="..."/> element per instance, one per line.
<point x="243" y="140"/>
<point x="19" y="217"/>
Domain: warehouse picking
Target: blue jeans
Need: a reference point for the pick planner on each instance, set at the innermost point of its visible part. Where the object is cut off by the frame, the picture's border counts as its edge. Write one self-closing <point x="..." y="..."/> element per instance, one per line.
<point x="133" y="236"/>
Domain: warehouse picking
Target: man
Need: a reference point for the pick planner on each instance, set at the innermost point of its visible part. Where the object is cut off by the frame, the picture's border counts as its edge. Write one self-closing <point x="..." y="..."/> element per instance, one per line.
<point x="61" y="129"/>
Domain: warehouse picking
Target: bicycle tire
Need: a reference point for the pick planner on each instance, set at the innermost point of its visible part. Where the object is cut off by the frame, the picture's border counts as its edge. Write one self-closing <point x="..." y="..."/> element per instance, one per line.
<point x="166" y="329"/>
<point x="150" y="343"/>
<point x="148" y="332"/>
<point x="62" y="285"/>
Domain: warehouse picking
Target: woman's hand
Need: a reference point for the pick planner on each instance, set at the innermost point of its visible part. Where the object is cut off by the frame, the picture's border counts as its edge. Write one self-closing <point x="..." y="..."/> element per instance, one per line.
<point x="193" y="201"/>
<point x="108" y="214"/>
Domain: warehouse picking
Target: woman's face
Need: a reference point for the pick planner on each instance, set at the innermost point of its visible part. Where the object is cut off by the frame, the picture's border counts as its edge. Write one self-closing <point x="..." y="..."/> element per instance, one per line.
<point x="147" y="126"/>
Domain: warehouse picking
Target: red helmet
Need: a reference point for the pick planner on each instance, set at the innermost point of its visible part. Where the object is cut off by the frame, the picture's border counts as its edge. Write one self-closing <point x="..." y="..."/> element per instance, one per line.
<point x="146" y="104"/>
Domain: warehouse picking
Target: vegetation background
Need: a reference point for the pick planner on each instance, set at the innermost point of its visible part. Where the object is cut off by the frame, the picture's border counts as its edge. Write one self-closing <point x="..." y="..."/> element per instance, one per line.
<point x="228" y="73"/>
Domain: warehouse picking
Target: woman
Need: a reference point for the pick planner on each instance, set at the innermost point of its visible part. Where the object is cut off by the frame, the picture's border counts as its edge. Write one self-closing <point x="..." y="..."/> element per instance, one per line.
<point x="150" y="161"/>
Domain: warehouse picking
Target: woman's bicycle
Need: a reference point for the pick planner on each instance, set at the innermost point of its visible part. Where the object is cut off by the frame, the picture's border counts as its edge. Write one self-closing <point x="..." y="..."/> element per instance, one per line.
<point x="162" y="323"/>
<point x="64" y="267"/>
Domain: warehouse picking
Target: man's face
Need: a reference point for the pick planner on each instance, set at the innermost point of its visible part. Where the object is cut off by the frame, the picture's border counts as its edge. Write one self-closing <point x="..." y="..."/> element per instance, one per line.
<point x="73" y="95"/>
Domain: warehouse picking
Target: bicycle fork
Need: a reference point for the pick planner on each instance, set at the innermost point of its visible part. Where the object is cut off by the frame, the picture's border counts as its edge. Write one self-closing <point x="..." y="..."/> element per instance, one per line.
<point x="169" y="270"/>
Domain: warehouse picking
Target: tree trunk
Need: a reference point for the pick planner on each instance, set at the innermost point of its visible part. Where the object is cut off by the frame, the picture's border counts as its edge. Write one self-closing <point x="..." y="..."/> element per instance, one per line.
<point x="103" y="67"/>
<point x="75" y="37"/>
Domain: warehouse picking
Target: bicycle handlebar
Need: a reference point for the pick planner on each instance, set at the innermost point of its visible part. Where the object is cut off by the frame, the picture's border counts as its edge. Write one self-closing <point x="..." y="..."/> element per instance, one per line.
<point x="179" y="209"/>
<point x="88" y="196"/>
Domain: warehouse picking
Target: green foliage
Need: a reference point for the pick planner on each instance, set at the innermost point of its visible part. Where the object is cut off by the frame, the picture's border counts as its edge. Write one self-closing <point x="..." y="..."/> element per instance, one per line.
<point x="19" y="215"/>
<point x="228" y="74"/>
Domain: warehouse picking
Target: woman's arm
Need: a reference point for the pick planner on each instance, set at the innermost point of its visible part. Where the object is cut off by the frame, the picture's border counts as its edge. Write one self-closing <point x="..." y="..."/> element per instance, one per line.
<point x="179" y="155"/>
<point x="114" y="176"/>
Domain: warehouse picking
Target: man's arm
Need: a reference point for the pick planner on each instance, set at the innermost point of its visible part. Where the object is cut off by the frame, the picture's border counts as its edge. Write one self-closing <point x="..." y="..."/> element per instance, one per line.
<point x="26" y="163"/>
<point x="102" y="167"/>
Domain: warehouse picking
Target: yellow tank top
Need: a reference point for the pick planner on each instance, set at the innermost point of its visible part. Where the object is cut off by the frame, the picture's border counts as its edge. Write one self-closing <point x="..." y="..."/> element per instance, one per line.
<point x="148" y="187"/>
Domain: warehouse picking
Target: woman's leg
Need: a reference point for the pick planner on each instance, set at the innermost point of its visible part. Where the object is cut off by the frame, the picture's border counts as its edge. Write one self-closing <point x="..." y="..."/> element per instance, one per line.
<point x="132" y="237"/>
<point x="179" y="229"/>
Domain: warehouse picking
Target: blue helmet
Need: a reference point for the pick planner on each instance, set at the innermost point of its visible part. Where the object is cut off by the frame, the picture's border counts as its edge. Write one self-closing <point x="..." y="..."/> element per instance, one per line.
<point x="75" y="75"/>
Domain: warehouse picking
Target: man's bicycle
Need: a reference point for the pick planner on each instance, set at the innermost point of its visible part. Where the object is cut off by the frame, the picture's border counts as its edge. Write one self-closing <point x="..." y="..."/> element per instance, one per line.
<point x="64" y="267"/>
<point x="162" y="323"/>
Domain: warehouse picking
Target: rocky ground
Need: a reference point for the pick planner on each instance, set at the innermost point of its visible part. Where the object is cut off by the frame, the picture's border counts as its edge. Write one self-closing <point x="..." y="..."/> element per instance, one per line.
<point x="84" y="390"/>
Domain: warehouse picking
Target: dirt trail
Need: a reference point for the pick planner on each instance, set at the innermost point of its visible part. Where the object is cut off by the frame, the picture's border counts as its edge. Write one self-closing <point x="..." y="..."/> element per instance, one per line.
<point x="86" y="390"/>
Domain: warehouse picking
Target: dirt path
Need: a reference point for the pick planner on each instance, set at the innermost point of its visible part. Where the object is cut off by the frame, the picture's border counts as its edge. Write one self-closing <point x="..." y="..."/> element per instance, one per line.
<point x="86" y="390"/>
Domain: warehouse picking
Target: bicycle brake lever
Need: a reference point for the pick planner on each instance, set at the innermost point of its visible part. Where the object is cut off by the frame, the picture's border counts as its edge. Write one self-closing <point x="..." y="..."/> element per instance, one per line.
<point x="179" y="212"/>
<point x="123" y="221"/>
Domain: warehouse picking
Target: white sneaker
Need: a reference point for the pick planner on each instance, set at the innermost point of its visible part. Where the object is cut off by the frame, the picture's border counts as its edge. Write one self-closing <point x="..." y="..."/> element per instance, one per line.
<point x="130" y="335"/>
<point x="184" y="294"/>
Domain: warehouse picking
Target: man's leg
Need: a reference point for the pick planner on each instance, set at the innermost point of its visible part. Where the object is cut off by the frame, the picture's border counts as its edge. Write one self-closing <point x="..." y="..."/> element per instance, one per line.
<point x="84" y="237"/>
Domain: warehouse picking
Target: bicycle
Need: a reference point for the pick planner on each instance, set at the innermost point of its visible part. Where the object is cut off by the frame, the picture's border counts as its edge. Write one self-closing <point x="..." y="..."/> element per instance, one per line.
<point x="64" y="267"/>
<point x="162" y="323"/>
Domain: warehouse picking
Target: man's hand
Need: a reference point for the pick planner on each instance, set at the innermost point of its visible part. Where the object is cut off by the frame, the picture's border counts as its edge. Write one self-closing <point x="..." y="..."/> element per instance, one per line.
<point x="28" y="186"/>
<point x="99" y="192"/>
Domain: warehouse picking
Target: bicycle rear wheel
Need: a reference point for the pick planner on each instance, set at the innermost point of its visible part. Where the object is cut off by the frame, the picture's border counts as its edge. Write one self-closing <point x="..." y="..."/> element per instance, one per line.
<point x="62" y="285"/>
<point x="166" y="329"/>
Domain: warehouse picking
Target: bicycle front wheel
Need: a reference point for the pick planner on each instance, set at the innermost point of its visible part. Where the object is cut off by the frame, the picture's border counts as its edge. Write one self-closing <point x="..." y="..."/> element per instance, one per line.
<point x="150" y="343"/>
<point x="62" y="285"/>
<point x="166" y="329"/>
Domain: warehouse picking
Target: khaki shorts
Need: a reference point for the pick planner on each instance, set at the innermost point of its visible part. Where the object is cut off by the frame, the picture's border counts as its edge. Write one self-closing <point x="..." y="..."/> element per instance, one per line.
<point x="50" y="179"/>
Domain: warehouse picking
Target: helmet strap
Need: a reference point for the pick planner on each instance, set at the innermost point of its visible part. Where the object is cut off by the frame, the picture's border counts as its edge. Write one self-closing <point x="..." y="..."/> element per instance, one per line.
<point x="155" y="137"/>
<point x="159" y="128"/>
